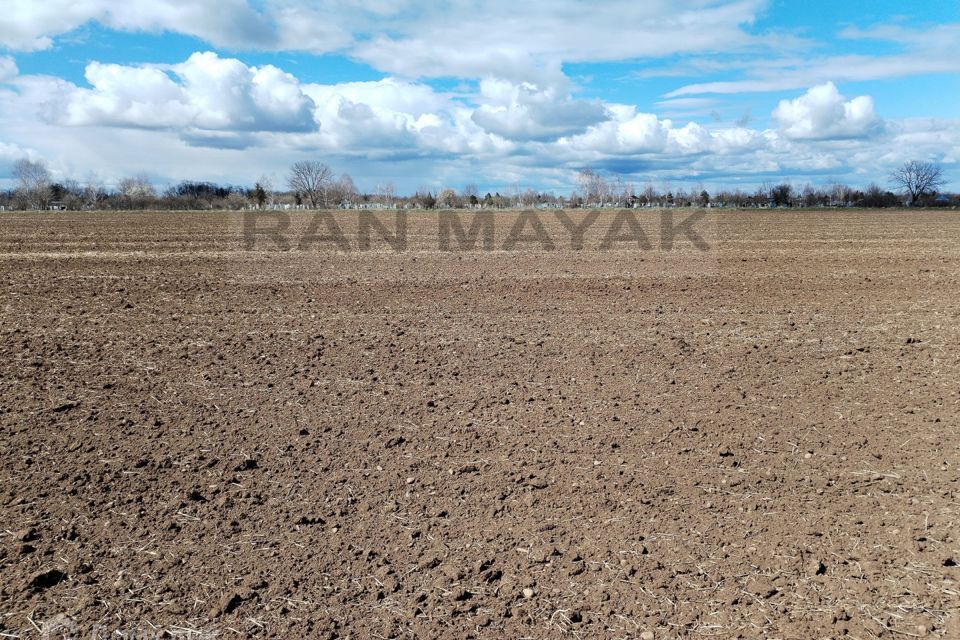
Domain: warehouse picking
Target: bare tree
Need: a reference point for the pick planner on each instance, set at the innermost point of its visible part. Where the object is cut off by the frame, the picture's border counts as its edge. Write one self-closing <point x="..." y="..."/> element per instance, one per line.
<point x="585" y="182"/>
<point x="469" y="193"/>
<point x="649" y="194"/>
<point x="761" y="196"/>
<point x="666" y="193"/>
<point x="808" y="196"/>
<point x="235" y="201"/>
<point x="593" y="187"/>
<point x="447" y="199"/>
<point x="311" y="180"/>
<point x="33" y="182"/>
<point x="917" y="179"/>
<point x="680" y="198"/>
<point x="346" y="190"/>
<point x="516" y="196"/>
<point x="739" y="198"/>
<point x="94" y="192"/>
<point x="385" y="193"/>
<point x="71" y="195"/>
<point x="600" y="188"/>
<point x="839" y="194"/>
<point x="618" y="190"/>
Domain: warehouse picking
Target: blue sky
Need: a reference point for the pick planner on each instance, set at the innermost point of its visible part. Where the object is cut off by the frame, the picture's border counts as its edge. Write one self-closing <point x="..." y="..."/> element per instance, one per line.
<point x="493" y="93"/>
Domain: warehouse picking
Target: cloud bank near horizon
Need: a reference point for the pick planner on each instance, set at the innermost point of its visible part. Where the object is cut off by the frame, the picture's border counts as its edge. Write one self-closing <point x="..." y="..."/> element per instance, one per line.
<point x="448" y="110"/>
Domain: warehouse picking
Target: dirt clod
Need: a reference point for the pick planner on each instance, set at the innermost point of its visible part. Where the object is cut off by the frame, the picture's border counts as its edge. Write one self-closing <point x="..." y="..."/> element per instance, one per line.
<point x="43" y="580"/>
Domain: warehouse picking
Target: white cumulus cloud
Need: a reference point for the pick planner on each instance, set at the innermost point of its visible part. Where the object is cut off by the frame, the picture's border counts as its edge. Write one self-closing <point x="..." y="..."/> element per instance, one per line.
<point x="393" y="118"/>
<point x="525" y="112"/>
<point x="205" y="93"/>
<point x="822" y="113"/>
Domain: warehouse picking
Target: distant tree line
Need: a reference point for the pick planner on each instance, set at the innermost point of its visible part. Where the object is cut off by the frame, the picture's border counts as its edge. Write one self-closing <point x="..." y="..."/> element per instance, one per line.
<point x="313" y="184"/>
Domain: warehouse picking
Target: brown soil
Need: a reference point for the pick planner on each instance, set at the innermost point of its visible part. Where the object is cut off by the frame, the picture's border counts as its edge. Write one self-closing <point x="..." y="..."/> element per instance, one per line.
<point x="759" y="440"/>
